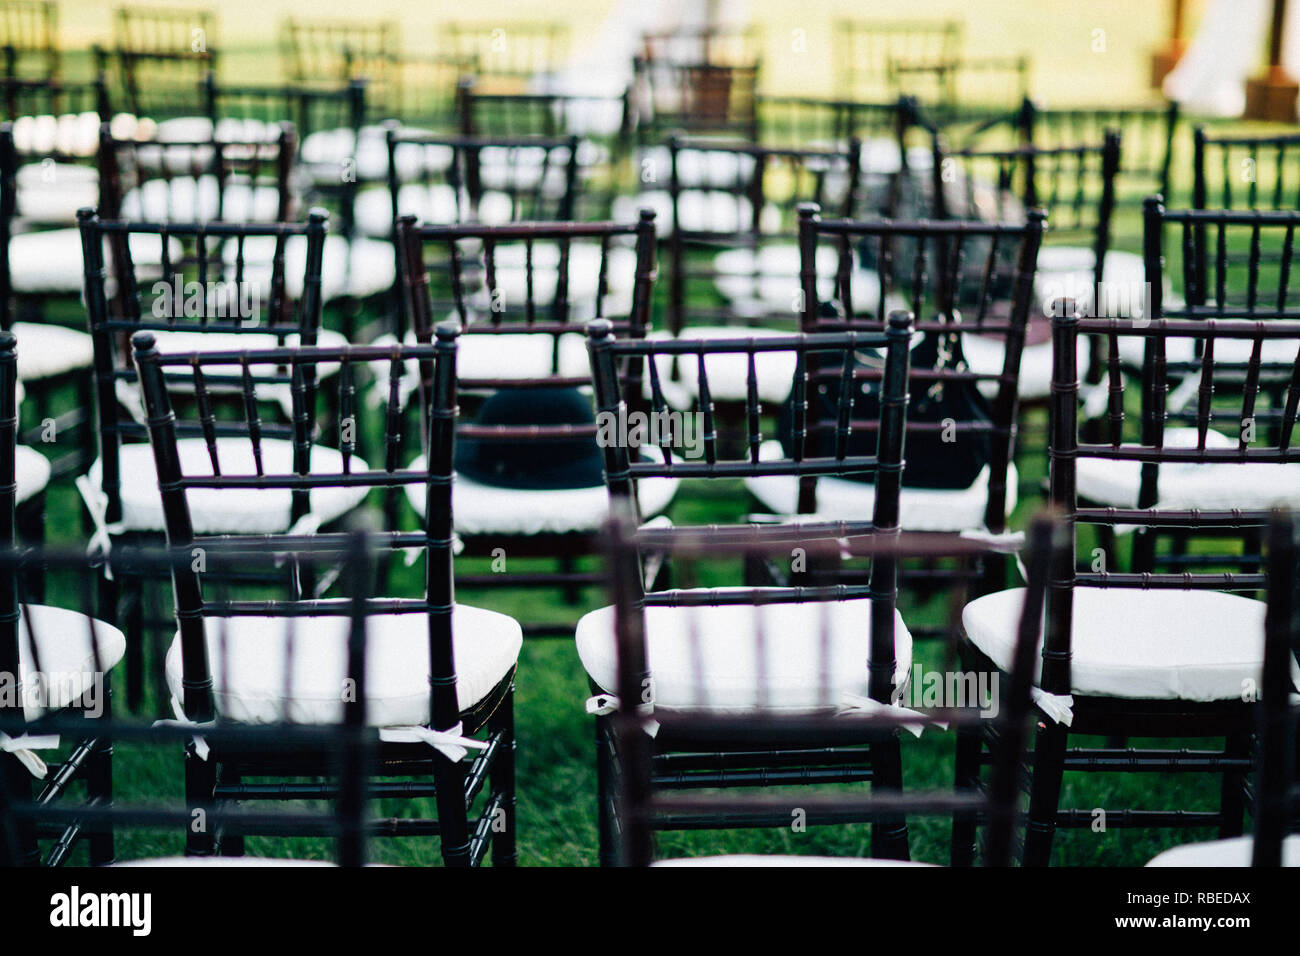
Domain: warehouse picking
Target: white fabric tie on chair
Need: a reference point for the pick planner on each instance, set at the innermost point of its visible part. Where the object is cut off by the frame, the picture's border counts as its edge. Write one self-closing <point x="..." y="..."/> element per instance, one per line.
<point x="452" y="744"/>
<point x="25" y="747"/>
<point x="1006" y="542"/>
<point x="1096" y="399"/>
<point x="201" y="747"/>
<point x="604" y="704"/>
<point x="851" y="704"/>
<point x="1057" y="707"/>
<point x="101" y="540"/>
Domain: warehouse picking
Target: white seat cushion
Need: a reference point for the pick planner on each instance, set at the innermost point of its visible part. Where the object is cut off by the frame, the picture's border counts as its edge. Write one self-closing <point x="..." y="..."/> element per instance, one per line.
<point x="921" y="509"/>
<point x="1223" y="853"/>
<point x="766" y="280"/>
<point x="436" y="203"/>
<point x="1066" y="272"/>
<point x="67" y="654"/>
<point x="51" y="262"/>
<point x="700" y="210"/>
<point x="797" y="676"/>
<point x="228" y="510"/>
<point x="727" y="372"/>
<point x="1132" y="350"/>
<point x="759" y="860"/>
<point x="491" y="509"/>
<point x="73" y="134"/>
<point x="247" y="661"/>
<point x="31" y="471"/>
<point x="50" y="193"/>
<point x="186" y="199"/>
<point x="1253" y="485"/>
<point x="1150" y="645"/>
<point x="46" y="350"/>
<point x="326" y="151"/>
<point x="361" y="268"/>
<point x="986" y="353"/>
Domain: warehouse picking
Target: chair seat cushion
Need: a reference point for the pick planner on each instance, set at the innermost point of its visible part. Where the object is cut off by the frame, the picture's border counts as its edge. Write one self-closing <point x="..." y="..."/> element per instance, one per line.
<point x="760" y="860"/>
<point x="434" y="203"/>
<point x="727" y="372"/>
<point x="766" y="280"/>
<point x="31" y="471"/>
<point x="228" y="510"/>
<point x="66" y="650"/>
<point x="1220" y="853"/>
<point x="1067" y="271"/>
<point x="50" y="193"/>
<point x="1132" y="350"/>
<point x="986" y="353"/>
<point x="359" y="268"/>
<point x="921" y="509"/>
<point x="326" y="151"/>
<point x="491" y="509"/>
<point x="1248" y="485"/>
<point x="186" y="199"/>
<point x="1141" y="645"/>
<point x="51" y="262"/>
<point x="798" y="674"/>
<point x="247" y="661"/>
<point x="46" y="350"/>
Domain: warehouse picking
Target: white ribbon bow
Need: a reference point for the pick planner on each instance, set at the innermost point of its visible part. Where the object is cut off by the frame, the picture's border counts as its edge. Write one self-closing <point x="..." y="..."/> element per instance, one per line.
<point x="851" y="704"/>
<point x="603" y="704"/>
<point x="452" y="743"/>
<point x="200" y="745"/>
<point x="1059" y="708"/>
<point x="25" y="747"/>
<point x="101" y="540"/>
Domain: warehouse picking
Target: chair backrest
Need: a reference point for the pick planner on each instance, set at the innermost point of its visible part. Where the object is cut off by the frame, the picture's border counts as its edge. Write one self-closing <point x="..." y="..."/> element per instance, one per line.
<point x="642" y="808"/>
<point x="1245" y="172"/>
<point x="1233" y="264"/>
<point x="197" y="180"/>
<point x="973" y="276"/>
<point x="963" y="88"/>
<point x="538" y="277"/>
<point x="695" y="98"/>
<point x="310" y="470"/>
<point x="509" y="56"/>
<point x="162" y="55"/>
<point x="26" y="100"/>
<point x="158" y="817"/>
<point x="203" y="279"/>
<point x="728" y="194"/>
<point x="1252" y="366"/>
<point x="312" y="49"/>
<point x="446" y="178"/>
<point x="419" y="89"/>
<point x="29" y="38"/>
<point x="865" y="48"/>
<point x="796" y="121"/>
<point x="1148" y="134"/>
<point x="1277" y="794"/>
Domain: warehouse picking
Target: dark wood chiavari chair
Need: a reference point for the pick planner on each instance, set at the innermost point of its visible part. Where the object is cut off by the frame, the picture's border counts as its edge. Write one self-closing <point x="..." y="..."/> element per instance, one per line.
<point x="423" y="90"/>
<point x="1274" y="841"/>
<point x="471" y="653"/>
<point x="695" y="98"/>
<point x="735" y="206"/>
<point x="820" y="448"/>
<point x="29" y="38"/>
<point x="1144" y="653"/>
<point x="340" y="741"/>
<point x="649" y="800"/>
<point x="974" y="279"/>
<point x="521" y="293"/>
<point x="52" y="661"/>
<point x="312" y="50"/>
<point x="1245" y="172"/>
<point x="196" y="285"/>
<point x="160" y="57"/>
<point x="511" y="57"/>
<point x="865" y="48"/>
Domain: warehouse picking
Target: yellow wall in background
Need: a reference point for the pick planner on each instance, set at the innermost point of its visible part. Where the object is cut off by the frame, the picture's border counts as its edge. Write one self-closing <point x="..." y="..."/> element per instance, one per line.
<point x="1058" y="34"/>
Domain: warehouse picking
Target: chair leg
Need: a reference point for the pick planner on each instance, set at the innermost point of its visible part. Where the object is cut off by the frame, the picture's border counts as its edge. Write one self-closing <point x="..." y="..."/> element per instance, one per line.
<point x="889" y="832"/>
<point x="1045" y="792"/>
<point x="1232" y="793"/>
<point x="504" y="851"/>
<point x="970" y="744"/>
<point x="18" y="844"/>
<point x="99" y="787"/>
<point x="608" y="838"/>
<point x="231" y="844"/>
<point x="133" y="629"/>
<point x="453" y="819"/>
<point x="200" y="797"/>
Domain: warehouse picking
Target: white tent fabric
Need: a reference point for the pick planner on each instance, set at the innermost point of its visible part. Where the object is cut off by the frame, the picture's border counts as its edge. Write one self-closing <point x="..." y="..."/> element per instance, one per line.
<point x="1229" y="48"/>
